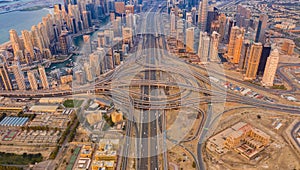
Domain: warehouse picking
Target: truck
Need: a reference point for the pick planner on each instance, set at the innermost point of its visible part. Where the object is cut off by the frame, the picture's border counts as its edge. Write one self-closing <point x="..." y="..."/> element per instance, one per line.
<point x="244" y="92"/>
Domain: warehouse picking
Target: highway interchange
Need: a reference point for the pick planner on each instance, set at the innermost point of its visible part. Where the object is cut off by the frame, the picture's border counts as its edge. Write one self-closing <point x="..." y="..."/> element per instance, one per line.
<point x="154" y="64"/>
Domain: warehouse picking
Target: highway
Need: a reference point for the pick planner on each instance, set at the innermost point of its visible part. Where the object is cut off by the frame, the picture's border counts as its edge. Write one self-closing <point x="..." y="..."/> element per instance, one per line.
<point x="148" y="134"/>
<point x="151" y="101"/>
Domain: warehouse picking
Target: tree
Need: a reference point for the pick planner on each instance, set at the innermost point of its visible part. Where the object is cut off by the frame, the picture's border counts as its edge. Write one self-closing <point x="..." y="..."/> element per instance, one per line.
<point x="194" y="165"/>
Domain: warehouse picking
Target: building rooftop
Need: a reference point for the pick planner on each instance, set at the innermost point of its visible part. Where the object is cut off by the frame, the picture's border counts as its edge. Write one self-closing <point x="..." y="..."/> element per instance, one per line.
<point x="44" y="108"/>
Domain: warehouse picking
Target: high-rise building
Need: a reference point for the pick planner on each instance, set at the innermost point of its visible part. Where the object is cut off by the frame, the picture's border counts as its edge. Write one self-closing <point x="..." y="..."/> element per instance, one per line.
<point x="180" y="34"/>
<point x="88" y="72"/>
<point x="120" y="7"/>
<point x="214" y="46"/>
<point x="36" y="38"/>
<point x="203" y="49"/>
<point x="108" y="60"/>
<point x="65" y="42"/>
<point x="129" y="8"/>
<point x="173" y="22"/>
<point x="271" y="67"/>
<point x="28" y="44"/>
<point x="222" y="27"/>
<point x="43" y="77"/>
<point x="253" y="61"/>
<point x="214" y="26"/>
<point x="101" y="39"/>
<point x="73" y="25"/>
<point x="190" y="39"/>
<point x="111" y="5"/>
<point x="244" y="55"/>
<point x="32" y="80"/>
<point x="261" y="28"/>
<point x="263" y="58"/>
<point x="91" y="8"/>
<point x="243" y="16"/>
<point x="112" y="16"/>
<point x="79" y="77"/>
<point x="202" y="20"/>
<point x="117" y="26"/>
<point x="19" y="76"/>
<point x="44" y="34"/>
<point x="231" y="23"/>
<point x="234" y="46"/>
<point x="109" y="36"/>
<point x="288" y="47"/>
<point x="238" y="48"/>
<point x="95" y="64"/>
<point x="86" y="18"/>
<point x="117" y="57"/>
<point x="16" y="43"/>
<point x="5" y="77"/>
<point x="127" y="35"/>
<point x="212" y="16"/>
<point x="48" y="23"/>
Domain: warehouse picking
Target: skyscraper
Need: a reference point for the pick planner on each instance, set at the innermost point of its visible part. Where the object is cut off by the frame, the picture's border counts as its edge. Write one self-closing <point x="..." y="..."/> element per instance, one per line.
<point x="202" y="20"/>
<point x="43" y="77"/>
<point x="65" y="42"/>
<point x="263" y="58"/>
<point x="44" y="34"/>
<point x="28" y="44"/>
<point x="5" y="77"/>
<point x="243" y="15"/>
<point x="238" y="48"/>
<point x="203" y="49"/>
<point x="37" y="38"/>
<point x="212" y="16"/>
<point x="261" y="28"/>
<point x="88" y="72"/>
<point x="79" y="77"/>
<point x="95" y="64"/>
<point x="109" y="36"/>
<point x="231" y="23"/>
<point x="32" y="80"/>
<point x="173" y="22"/>
<point x="288" y="46"/>
<point x="271" y="67"/>
<point x="190" y="39"/>
<point x="16" y="43"/>
<point x="180" y="34"/>
<point x="101" y="39"/>
<point x="127" y="35"/>
<point x="120" y="7"/>
<point x="19" y="76"/>
<point x="253" y="61"/>
<point x="129" y="8"/>
<point x="85" y="19"/>
<point x="234" y="46"/>
<point x="214" y="43"/>
<point x="244" y="55"/>
<point x="222" y="22"/>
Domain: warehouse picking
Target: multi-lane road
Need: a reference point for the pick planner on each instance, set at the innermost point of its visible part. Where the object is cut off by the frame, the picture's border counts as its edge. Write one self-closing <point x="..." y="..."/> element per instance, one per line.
<point x="151" y="101"/>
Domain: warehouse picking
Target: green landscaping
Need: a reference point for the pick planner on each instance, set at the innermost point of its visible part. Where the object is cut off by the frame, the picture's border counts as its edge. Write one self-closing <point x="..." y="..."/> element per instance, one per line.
<point x="73" y="158"/>
<point x="9" y="168"/>
<point x="54" y="153"/>
<point x="73" y="103"/>
<point x="14" y="159"/>
<point x="280" y="87"/>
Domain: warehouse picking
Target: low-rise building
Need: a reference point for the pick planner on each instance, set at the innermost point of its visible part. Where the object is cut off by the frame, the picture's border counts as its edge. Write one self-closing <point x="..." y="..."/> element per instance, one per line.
<point x="86" y="151"/>
<point x="44" y="108"/>
<point x="242" y="137"/>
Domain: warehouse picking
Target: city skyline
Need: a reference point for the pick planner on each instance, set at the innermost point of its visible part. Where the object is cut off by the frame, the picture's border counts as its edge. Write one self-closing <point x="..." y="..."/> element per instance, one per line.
<point x="151" y="85"/>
